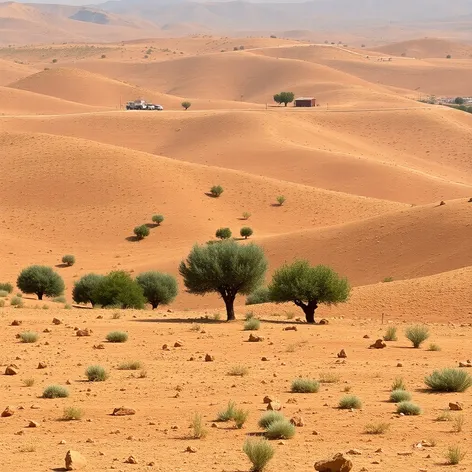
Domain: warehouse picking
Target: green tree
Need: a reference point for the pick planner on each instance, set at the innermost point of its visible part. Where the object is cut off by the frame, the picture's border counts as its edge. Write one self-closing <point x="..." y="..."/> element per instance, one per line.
<point x="141" y="231"/>
<point x="246" y="232"/>
<point x="158" y="289"/>
<point x="227" y="268"/>
<point x="118" y="288"/>
<point x="459" y="101"/>
<point x="186" y="105"/>
<point x="223" y="233"/>
<point x="41" y="280"/>
<point x="308" y="286"/>
<point x="158" y="219"/>
<point x="284" y="97"/>
<point x="84" y="288"/>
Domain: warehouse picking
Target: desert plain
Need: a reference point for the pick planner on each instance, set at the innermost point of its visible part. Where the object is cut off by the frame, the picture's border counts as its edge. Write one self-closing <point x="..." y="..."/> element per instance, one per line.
<point x="377" y="184"/>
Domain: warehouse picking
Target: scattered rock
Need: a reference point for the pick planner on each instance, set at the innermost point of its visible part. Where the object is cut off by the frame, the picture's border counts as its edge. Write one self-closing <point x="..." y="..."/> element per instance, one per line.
<point x="191" y="449"/>
<point x="131" y="460"/>
<point x="7" y="412"/>
<point x="323" y="321"/>
<point x="264" y="359"/>
<point x="56" y="321"/>
<point x="399" y="364"/>
<point x="268" y="399"/>
<point x="354" y="452"/>
<point x="178" y="344"/>
<point x="379" y="344"/>
<point x="209" y="358"/>
<point x="467" y="363"/>
<point x="405" y="453"/>
<point x="123" y="412"/>
<point x="42" y="365"/>
<point x="297" y="421"/>
<point x="342" y="354"/>
<point x="75" y="460"/>
<point x="253" y="338"/>
<point x="274" y="406"/>
<point x="47" y="330"/>
<point x="366" y="336"/>
<point x="35" y="407"/>
<point x="16" y="323"/>
<point x="442" y="203"/>
<point x="84" y="332"/>
<point x="98" y="346"/>
<point x="291" y="328"/>
<point x="165" y="347"/>
<point x="33" y="424"/>
<point x="338" y="463"/>
<point x="11" y="370"/>
<point x="456" y="406"/>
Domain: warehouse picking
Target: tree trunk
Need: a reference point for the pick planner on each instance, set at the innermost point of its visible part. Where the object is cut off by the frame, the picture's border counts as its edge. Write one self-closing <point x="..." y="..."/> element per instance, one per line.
<point x="309" y="309"/>
<point x="154" y="305"/>
<point x="229" y="302"/>
<point x="40" y="295"/>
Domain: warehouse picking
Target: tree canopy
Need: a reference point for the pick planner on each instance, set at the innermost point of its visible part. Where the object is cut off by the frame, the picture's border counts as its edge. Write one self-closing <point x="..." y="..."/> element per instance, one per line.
<point x="118" y="288"/>
<point x="84" y="288"/>
<point x="227" y="268"/>
<point x="284" y="97"/>
<point x="158" y="288"/>
<point x="41" y="280"/>
<point x="308" y="287"/>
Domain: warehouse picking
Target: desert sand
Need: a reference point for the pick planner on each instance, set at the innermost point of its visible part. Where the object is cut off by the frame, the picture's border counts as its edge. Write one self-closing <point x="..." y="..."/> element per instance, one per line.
<point x="377" y="185"/>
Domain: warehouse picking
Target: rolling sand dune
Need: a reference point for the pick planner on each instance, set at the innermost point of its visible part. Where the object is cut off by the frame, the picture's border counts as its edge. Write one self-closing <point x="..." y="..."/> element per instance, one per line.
<point x="11" y="71"/>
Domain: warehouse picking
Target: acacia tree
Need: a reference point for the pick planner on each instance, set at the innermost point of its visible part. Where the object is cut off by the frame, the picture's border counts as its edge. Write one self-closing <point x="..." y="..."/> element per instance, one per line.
<point x="284" y="97"/>
<point x="41" y="280"/>
<point x="308" y="287"/>
<point x="118" y="288"/>
<point x="226" y="268"/>
<point x="158" y="288"/>
<point x="84" y="288"/>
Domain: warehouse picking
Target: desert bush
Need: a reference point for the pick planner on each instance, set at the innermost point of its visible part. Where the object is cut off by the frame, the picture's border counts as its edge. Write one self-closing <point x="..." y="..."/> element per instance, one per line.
<point x="284" y="97"/>
<point x="84" y="290"/>
<point x="141" y="231"/>
<point x="117" y="337"/>
<point x="246" y="215"/>
<point x="328" y="377"/>
<point x="40" y="280"/>
<point x="240" y="417"/>
<point x="195" y="327"/>
<point x="130" y="365"/>
<point x="54" y="61"/>
<point x="408" y="408"/>
<point x="305" y="386"/>
<point x="239" y="371"/>
<point x="398" y="384"/>
<point x="259" y="452"/>
<point x="55" y="391"/>
<point x="434" y="347"/>
<point x="72" y="413"/>
<point x="60" y="299"/>
<point x="350" y="401"/>
<point x="417" y="334"/>
<point x="103" y="56"/>
<point x="67" y="306"/>
<point x="449" y="380"/>
<point x="377" y="428"/>
<point x="308" y="287"/>
<point x="228" y="414"/>
<point x="253" y="324"/>
<point x="216" y="191"/>
<point x="118" y="289"/>
<point x="258" y="296"/>
<point x="96" y="373"/>
<point x="158" y="288"/>
<point x="270" y="417"/>
<point x="454" y="455"/>
<point x="2" y="303"/>
<point x="223" y="233"/>
<point x="158" y="219"/>
<point x="444" y="416"/>
<point x="391" y="334"/>
<point x="246" y="232"/>
<point x="186" y="105"/>
<point x="397" y="396"/>
<point x="387" y="280"/>
<point x="281" y="429"/>
<point x="227" y="268"/>
<point x="198" y="429"/>
<point x="458" y="423"/>
<point x="29" y="382"/>
<point x="17" y="301"/>
<point x="68" y="259"/>
<point x="249" y="316"/>
<point x="281" y="200"/>
<point x="3" y="293"/>
<point x="29" y="337"/>
<point x="6" y="287"/>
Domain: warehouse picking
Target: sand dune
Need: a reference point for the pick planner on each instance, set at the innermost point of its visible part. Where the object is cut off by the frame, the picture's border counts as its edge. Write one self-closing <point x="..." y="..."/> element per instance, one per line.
<point x="11" y="71"/>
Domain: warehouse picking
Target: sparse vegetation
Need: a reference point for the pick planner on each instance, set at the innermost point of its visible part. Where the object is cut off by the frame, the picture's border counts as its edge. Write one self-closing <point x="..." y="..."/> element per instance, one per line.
<point x="377" y="428"/>
<point x="6" y="287"/>
<point x="96" y="373"/>
<point x="29" y="382"/>
<point x="40" y="280"/>
<point x="85" y="288"/>
<point x="240" y="417"/>
<point x="117" y="337"/>
<point x="118" y="289"/>
<point x="198" y="429"/>
<point x="158" y="288"/>
<point x="252" y="324"/>
<point x="157" y="219"/>
<point x="391" y="334"/>
<point x="458" y="423"/>
<point x="270" y="417"/>
<point x="55" y="391"/>
<point x="258" y="296"/>
<point x="259" y="452"/>
<point x="398" y="384"/>
<point x="239" y="371"/>
<point x="246" y="215"/>
<point x="17" y="302"/>
<point x="434" y="347"/>
<point x="3" y="294"/>
<point x="350" y="402"/>
<point x="68" y="260"/>
<point x="397" y="396"/>
<point x="228" y="414"/>
<point x="454" y="455"/>
<point x="29" y="337"/>
<point x="186" y="105"/>
<point x="130" y="365"/>
<point x="72" y="413"/>
<point x="408" y="408"/>
<point x="417" y="334"/>
<point x="449" y="380"/>
<point x="281" y="429"/>
<point x="444" y="416"/>
<point x="246" y="232"/>
<point x="227" y="268"/>
<point x="388" y="279"/>
<point x="328" y="378"/>
<point x="216" y="191"/>
<point x="223" y="233"/>
<point x="60" y="299"/>
<point x="141" y="232"/>
<point x="284" y="97"/>
<point x="305" y="386"/>
<point x="281" y="200"/>
<point x="308" y="287"/>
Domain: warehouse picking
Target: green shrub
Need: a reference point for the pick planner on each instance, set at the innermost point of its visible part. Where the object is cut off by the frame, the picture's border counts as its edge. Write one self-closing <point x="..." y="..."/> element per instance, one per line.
<point x="408" y="408"/>
<point x="29" y="382"/>
<point x="280" y="200"/>
<point x="6" y="287"/>
<point x="417" y="335"/>
<point x="391" y="334"/>
<point x="118" y="289"/>
<point x="458" y="423"/>
<point x="454" y="455"/>
<point x="3" y="293"/>
<point x="434" y="347"/>
<point x="449" y="380"/>
<point x="216" y="191"/>
<point x="228" y="414"/>
<point x="223" y="233"/>
<point x="72" y="413"/>
<point x="387" y="280"/>
<point x="398" y="384"/>
<point x="67" y="306"/>
<point x="186" y="105"/>
<point x="260" y="295"/>
<point x="246" y="232"/>
<point x="198" y="429"/>
<point x="281" y="429"/>
<point x="259" y="452"/>
<point x="397" y="396"/>
<point x="158" y="288"/>
<point x="270" y="417"/>
<point x="350" y="401"/>
<point x="29" y="337"/>
<point x="84" y="290"/>
<point x="117" y="337"/>
<point x="158" y="219"/>
<point x="377" y="428"/>
<point x="246" y="215"/>
<point x="60" y="299"/>
<point x="130" y="365"/>
<point x="252" y="324"/>
<point x="96" y="373"/>
<point x="240" y="417"/>
<point x="40" y="280"/>
<point x="68" y="259"/>
<point x="141" y="232"/>
<point x="54" y="61"/>
<point x="305" y="386"/>
<point x="239" y="371"/>
<point x="55" y="391"/>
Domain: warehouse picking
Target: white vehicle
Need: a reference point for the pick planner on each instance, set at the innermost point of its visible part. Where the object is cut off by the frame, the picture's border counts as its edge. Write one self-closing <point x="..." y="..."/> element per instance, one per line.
<point x="143" y="105"/>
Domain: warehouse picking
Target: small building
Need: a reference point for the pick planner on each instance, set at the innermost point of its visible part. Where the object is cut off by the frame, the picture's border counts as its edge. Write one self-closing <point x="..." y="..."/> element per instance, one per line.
<point x="306" y="102"/>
